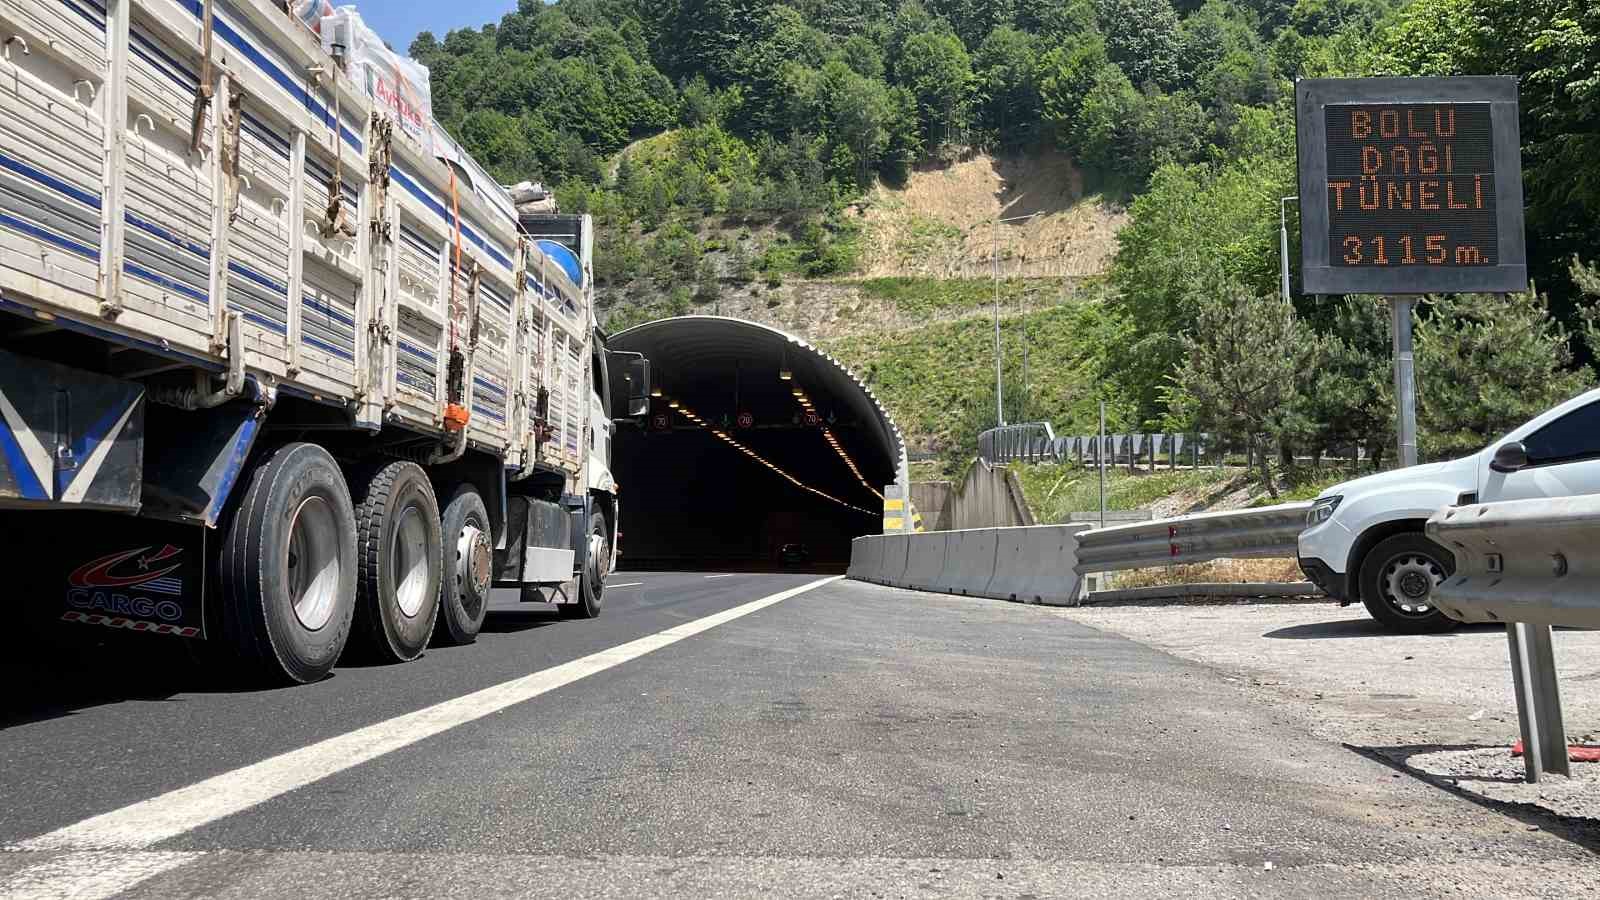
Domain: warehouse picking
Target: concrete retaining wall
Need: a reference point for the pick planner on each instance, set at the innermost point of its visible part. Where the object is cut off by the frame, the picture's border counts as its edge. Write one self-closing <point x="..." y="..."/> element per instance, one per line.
<point x="1029" y="564"/>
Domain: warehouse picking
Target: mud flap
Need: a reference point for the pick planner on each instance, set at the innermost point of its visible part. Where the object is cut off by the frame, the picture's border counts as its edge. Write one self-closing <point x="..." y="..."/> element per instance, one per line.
<point x="105" y="570"/>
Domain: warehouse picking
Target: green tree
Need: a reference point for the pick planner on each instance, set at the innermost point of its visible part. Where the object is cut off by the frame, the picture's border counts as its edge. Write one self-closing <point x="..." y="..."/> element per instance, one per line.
<point x="1587" y="278"/>
<point x="1066" y="75"/>
<point x="1350" y="399"/>
<point x="1006" y="67"/>
<point x="1142" y="39"/>
<point x="1485" y="364"/>
<point x="938" y="72"/>
<point x="1245" y="370"/>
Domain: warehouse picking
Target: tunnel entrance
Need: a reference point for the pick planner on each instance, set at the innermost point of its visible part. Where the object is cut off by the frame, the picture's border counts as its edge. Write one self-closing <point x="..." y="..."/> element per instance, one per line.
<point x="760" y="452"/>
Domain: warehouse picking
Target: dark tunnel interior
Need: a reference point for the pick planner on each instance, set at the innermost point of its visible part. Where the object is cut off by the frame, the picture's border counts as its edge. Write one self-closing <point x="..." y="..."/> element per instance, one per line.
<point x="693" y="500"/>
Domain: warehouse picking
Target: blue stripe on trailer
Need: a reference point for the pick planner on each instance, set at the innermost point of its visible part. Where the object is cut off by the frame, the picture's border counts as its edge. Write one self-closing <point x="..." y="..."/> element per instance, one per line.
<point x="175" y="239"/>
<point x="326" y="347"/>
<point x="265" y="322"/>
<point x="322" y="307"/>
<point x="162" y="281"/>
<point x="271" y="70"/>
<point x="252" y="275"/>
<point x="480" y="381"/>
<point x="260" y="129"/>
<point x="157" y="58"/>
<point x="98" y="23"/>
<point x="417" y="351"/>
<point x="426" y="198"/>
<point x="64" y="188"/>
<point x="33" y="230"/>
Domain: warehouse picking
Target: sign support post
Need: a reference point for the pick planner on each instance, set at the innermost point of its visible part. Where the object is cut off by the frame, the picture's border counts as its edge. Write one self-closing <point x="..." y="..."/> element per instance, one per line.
<point x="1405" y="383"/>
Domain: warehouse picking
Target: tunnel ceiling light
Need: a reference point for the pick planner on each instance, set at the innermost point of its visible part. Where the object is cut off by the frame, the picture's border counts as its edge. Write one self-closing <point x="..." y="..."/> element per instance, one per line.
<point x="833" y="441"/>
<point x="723" y="436"/>
<point x="655" y="392"/>
<point x="785" y="375"/>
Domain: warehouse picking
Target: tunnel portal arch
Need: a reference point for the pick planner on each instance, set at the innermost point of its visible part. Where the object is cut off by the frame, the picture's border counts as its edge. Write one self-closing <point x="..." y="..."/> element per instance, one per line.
<point x="756" y="440"/>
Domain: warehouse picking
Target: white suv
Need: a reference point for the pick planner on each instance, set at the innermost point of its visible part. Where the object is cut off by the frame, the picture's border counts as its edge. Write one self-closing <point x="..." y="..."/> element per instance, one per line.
<point x="1364" y="538"/>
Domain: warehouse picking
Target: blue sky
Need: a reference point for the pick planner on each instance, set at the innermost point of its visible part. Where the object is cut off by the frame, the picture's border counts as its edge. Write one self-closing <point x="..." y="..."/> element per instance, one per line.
<point x="399" y="22"/>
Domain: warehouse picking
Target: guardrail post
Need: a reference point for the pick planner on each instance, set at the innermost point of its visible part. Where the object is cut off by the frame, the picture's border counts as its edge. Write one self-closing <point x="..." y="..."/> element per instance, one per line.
<point x="1533" y="673"/>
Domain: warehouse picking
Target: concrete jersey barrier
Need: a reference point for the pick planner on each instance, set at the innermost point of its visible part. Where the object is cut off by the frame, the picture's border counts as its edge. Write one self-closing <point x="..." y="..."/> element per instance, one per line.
<point x="924" y="561"/>
<point x="969" y="561"/>
<point x="896" y="553"/>
<point x="866" y="557"/>
<point x="1034" y="565"/>
<point x="1030" y="564"/>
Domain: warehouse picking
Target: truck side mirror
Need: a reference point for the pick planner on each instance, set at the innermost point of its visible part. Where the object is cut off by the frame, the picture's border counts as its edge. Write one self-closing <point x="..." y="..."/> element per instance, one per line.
<point x="1510" y="457"/>
<point x="638" y="387"/>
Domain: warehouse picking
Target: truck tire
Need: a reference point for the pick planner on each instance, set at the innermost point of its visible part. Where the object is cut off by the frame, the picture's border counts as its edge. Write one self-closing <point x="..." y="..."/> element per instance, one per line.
<point x="468" y="569"/>
<point x="1397" y="581"/>
<point x="287" y="572"/>
<point x="398" y="561"/>
<point x="592" y="583"/>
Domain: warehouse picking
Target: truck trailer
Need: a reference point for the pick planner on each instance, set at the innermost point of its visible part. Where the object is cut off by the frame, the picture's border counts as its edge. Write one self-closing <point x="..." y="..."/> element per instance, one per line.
<point x="280" y="369"/>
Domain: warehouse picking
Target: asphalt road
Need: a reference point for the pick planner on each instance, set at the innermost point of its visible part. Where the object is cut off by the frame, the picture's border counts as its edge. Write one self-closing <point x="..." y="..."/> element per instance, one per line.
<point x="719" y="734"/>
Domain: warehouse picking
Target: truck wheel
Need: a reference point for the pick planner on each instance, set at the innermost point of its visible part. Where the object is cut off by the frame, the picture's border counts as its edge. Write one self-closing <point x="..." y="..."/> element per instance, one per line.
<point x="1398" y="577"/>
<point x="398" y="561"/>
<point x="468" y="568"/>
<point x="592" y="584"/>
<point x="287" y="571"/>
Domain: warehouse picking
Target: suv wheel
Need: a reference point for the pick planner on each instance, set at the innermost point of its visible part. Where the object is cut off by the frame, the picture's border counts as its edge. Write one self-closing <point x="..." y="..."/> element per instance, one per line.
<point x="1397" y="581"/>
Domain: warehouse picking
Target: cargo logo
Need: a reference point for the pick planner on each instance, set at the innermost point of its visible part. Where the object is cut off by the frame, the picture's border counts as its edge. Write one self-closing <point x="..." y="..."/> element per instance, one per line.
<point x="132" y="583"/>
<point x="103" y="572"/>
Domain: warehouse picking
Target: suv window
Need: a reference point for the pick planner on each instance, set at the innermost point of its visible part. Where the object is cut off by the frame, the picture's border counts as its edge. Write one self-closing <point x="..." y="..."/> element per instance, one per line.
<point x="1572" y="437"/>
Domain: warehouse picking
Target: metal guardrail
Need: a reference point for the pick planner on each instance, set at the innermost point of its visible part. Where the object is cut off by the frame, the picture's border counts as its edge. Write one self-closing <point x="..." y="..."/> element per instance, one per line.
<point x="1270" y="531"/>
<point x="1037" y="442"/>
<point x="1031" y="441"/>
<point x="1530" y="564"/>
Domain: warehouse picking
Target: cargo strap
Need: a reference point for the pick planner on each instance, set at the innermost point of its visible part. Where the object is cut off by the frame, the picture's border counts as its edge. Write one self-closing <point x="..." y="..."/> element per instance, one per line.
<point x="202" y="91"/>
<point x="230" y="146"/>
<point x="378" y="172"/>
<point x="334" y="220"/>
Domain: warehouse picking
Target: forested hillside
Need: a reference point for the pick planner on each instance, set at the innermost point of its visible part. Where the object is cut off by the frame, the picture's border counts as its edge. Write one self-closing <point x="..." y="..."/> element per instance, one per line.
<point x="740" y="146"/>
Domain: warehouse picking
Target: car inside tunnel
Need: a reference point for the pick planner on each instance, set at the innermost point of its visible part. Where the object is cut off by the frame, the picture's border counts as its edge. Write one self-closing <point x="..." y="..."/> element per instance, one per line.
<point x="759" y="451"/>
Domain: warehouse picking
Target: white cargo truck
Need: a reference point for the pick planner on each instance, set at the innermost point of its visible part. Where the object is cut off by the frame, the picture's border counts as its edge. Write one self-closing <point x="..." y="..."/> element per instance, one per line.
<point x="276" y="371"/>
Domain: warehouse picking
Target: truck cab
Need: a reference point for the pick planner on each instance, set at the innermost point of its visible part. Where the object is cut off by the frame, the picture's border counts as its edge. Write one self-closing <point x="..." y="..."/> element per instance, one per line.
<point x="1364" y="538"/>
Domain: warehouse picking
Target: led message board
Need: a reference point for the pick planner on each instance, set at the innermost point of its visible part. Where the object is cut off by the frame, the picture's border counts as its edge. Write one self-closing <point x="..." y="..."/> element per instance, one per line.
<point x="1410" y="185"/>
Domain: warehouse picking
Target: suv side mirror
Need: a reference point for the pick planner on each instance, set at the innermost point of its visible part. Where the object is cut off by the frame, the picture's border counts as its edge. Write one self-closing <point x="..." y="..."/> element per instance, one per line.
<point x="1510" y="457"/>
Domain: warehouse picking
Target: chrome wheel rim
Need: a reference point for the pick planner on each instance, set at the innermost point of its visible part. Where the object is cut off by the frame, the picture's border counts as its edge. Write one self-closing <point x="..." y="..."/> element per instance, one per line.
<point x="599" y="562"/>
<point x="408" y="561"/>
<point x="311" y="567"/>
<point x="1408" y="581"/>
<point x="474" y="560"/>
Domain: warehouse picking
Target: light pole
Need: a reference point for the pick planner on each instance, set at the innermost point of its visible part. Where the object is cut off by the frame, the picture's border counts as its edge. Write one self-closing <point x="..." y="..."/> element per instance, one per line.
<point x="999" y="389"/>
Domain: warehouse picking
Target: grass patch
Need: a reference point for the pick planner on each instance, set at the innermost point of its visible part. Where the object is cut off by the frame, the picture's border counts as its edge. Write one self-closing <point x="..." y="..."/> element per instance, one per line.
<point x="937" y="381"/>
<point x="916" y="296"/>
<point x="1056" y="491"/>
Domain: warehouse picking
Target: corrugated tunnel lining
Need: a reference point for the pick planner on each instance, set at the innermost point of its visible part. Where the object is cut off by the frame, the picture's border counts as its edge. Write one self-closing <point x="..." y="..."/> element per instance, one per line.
<point x="690" y="350"/>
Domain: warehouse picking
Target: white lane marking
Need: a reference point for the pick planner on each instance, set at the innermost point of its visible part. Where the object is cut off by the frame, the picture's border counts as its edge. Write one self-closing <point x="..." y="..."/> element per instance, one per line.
<point x="91" y="875"/>
<point x="626" y="584"/>
<point x="729" y="575"/>
<point x="149" y="822"/>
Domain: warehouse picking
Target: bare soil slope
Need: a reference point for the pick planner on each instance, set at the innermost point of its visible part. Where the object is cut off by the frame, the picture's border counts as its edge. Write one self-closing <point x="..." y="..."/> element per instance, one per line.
<point x="941" y="223"/>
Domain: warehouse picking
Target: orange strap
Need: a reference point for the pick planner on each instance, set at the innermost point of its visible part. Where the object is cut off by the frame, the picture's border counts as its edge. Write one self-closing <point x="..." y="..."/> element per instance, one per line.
<point x="455" y="210"/>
